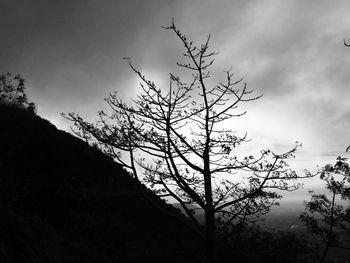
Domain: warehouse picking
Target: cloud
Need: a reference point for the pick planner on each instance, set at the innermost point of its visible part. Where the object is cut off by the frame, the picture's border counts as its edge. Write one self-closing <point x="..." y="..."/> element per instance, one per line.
<point x="71" y="53"/>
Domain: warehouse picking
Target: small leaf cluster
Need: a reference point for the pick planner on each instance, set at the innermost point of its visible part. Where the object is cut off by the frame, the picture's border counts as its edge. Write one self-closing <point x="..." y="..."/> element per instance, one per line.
<point x="12" y="92"/>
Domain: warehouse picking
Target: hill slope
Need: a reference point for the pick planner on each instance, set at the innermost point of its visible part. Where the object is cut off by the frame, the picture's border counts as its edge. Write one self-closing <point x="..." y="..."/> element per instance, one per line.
<point x="63" y="201"/>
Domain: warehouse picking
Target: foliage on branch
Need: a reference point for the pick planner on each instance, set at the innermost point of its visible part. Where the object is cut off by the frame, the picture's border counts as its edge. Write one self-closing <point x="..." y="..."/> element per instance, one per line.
<point x="12" y="92"/>
<point x="324" y="215"/>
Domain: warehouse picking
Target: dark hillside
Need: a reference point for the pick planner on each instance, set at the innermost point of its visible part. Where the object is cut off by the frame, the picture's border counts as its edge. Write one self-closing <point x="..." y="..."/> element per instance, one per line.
<point x="63" y="201"/>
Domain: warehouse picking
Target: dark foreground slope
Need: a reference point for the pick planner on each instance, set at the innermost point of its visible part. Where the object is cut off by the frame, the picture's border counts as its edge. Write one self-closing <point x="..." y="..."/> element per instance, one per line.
<point x="63" y="201"/>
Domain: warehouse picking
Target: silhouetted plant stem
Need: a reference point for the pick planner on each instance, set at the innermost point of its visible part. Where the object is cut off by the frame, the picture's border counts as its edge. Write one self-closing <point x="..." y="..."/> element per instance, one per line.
<point x="330" y="232"/>
<point x="132" y="161"/>
<point x="240" y="228"/>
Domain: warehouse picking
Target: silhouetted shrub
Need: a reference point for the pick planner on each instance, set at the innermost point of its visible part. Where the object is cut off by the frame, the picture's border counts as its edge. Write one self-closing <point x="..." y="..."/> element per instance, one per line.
<point x="12" y="92"/>
<point x="257" y="245"/>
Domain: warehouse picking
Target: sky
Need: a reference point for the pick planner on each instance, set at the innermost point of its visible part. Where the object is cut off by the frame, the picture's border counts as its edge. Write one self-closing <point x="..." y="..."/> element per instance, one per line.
<point x="292" y="52"/>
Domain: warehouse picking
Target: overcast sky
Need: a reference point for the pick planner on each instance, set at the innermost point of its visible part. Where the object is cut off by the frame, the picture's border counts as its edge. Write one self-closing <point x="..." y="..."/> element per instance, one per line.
<point x="70" y="53"/>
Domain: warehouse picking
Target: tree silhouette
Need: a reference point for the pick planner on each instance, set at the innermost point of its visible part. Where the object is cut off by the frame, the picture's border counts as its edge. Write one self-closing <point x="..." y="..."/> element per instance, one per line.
<point x="323" y="215"/>
<point x="12" y="92"/>
<point x="186" y="148"/>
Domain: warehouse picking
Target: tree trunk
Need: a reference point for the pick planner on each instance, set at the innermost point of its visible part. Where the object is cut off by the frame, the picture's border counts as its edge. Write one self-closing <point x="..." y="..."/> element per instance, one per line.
<point x="330" y="231"/>
<point x="210" y="234"/>
<point x="324" y="253"/>
<point x="210" y="226"/>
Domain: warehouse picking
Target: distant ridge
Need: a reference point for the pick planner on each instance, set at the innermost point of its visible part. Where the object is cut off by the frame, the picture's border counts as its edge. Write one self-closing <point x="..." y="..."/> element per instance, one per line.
<point x="68" y="202"/>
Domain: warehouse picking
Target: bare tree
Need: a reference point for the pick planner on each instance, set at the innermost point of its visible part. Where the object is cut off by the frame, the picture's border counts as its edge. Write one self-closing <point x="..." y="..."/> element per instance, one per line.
<point x="187" y="146"/>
